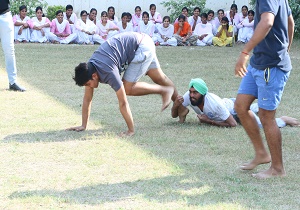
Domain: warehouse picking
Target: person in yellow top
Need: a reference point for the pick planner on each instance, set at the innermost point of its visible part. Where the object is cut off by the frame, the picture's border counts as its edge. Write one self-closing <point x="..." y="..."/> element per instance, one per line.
<point x="224" y="35"/>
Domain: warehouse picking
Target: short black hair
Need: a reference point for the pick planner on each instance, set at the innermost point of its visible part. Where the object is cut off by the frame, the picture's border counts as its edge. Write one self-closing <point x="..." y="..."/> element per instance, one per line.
<point x="69" y="6"/>
<point x="59" y="11"/>
<point x="82" y="74"/>
<point x="251" y="12"/>
<point x="22" y="7"/>
<point x="145" y="13"/>
<point x="204" y="15"/>
<point x="181" y="17"/>
<point x="124" y="14"/>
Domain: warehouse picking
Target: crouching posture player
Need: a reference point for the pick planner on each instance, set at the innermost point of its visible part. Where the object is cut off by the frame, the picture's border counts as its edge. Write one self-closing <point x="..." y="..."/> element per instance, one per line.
<point x="138" y="51"/>
<point x="213" y="110"/>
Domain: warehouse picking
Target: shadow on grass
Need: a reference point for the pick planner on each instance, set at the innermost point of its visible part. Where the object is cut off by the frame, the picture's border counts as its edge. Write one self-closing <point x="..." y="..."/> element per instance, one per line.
<point x="163" y="190"/>
<point x="54" y="136"/>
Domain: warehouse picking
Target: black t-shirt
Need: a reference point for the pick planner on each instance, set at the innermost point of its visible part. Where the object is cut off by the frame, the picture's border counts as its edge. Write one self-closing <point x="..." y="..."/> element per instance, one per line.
<point x="4" y="5"/>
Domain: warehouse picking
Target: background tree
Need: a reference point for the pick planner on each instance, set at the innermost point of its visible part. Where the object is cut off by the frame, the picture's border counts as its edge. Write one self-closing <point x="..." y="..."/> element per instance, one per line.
<point x="175" y="6"/>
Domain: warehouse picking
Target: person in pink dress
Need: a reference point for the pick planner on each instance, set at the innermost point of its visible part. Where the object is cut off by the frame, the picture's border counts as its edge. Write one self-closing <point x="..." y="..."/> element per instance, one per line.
<point x="22" y="25"/>
<point x="61" y="30"/>
<point x="40" y="27"/>
<point x="106" y="27"/>
<point x="154" y="16"/>
<point x="136" y="17"/>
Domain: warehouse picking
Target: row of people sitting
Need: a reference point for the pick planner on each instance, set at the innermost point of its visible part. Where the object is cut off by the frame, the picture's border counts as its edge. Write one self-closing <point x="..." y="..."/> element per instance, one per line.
<point x="66" y="28"/>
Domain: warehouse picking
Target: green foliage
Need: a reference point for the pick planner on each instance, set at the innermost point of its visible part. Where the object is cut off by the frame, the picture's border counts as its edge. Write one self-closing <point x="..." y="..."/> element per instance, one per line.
<point x="175" y="6"/>
<point x="31" y="6"/>
<point x="295" y="7"/>
<point x="51" y="10"/>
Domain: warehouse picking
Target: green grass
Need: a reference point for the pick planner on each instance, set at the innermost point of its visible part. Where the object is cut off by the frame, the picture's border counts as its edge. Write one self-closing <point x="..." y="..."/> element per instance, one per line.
<point x="166" y="165"/>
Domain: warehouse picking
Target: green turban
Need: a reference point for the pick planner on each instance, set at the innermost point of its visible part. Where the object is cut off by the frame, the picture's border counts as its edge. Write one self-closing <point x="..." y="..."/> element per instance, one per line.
<point x="199" y="85"/>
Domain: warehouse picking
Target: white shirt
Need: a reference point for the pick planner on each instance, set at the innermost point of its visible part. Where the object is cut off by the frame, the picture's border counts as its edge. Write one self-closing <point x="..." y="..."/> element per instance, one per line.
<point x="214" y="108"/>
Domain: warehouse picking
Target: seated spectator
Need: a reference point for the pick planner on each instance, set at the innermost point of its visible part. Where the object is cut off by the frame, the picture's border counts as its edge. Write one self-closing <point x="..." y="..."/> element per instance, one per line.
<point x="86" y="30"/>
<point x="195" y="19"/>
<point x="21" y="23"/>
<point x="40" y="27"/>
<point x="204" y="31"/>
<point x="93" y="16"/>
<point x="185" y="12"/>
<point x="233" y="17"/>
<point x="61" y="31"/>
<point x="107" y="28"/>
<point x="244" y="14"/>
<point x="210" y="16"/>
<point x="146" y="26"/>
<point x="224" y="35"/>
<point x="164" y="36"/>
<point x="111" y="15"/>
<point x="129" y="19"/>
<point x="213" y="110"/>
<point x="71" y="17"/>
<point x="217" y="21"/>
<point x="246" y="28"/>
<point x="183" y="33"/>
<point x="155" y="17"/>
<point x="123" y="25"/>
<point x="137" y="17"/>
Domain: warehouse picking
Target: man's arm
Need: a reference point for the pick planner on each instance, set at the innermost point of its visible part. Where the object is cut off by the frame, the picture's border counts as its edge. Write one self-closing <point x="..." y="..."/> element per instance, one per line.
<point x="229" y="122"/>
<point x="179" y="110"/>
<point x="86" y="109"/>
<point x="291" y="26"/>
<point x="125" y="111"/>
<point x="262" y="29"/>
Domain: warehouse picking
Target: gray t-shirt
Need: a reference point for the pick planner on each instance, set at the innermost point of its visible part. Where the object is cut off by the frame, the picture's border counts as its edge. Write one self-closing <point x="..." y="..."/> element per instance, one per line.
<point x="272" y="51"/>
<point x="113" y="53"/>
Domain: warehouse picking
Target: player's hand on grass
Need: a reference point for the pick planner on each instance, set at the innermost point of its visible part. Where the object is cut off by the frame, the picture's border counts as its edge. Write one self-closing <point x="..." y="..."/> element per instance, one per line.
<point x="77" y="128"/>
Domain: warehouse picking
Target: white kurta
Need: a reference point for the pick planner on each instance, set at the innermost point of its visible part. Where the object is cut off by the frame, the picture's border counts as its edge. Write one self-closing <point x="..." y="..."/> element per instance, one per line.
<point x="146" y="29"/>
<point x="167" y="33"/>
<point x="103" y="30"/>
<point x="202" y="29"/>
<point x="36" y="35"/>
<point x="74" y="19"/>
<point x="128" y="28"/>
<point x="83" y="37"/>
<point x="25" y="35"/>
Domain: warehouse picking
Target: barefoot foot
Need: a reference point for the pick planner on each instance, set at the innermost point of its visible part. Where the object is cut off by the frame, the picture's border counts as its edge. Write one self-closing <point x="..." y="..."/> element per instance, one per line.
<point x="255" y="162"/>
<point x="271" y="172"/>
<point x="166" y="97"/>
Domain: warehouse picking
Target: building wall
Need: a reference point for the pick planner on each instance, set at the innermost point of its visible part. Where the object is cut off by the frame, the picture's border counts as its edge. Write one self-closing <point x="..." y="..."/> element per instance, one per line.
<point x="129" y="5"/>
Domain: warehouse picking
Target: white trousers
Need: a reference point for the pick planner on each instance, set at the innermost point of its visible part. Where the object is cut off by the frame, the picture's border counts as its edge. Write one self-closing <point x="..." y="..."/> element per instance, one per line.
<point x="7" y="41"/>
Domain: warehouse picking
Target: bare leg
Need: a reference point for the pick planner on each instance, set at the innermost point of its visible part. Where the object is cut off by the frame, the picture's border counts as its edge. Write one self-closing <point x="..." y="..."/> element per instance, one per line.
<point x="164" y="86"/>
<point x="273" y="136"/>
<point x="242" y="107"/>
<point x="160" y="78"/>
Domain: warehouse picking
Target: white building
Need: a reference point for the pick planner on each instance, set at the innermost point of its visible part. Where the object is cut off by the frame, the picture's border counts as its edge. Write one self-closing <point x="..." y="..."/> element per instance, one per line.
<point x="129" y="5"/>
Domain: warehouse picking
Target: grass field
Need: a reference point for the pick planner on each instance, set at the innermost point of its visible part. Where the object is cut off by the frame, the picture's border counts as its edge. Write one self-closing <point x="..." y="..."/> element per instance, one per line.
<point x="166" y="165"/>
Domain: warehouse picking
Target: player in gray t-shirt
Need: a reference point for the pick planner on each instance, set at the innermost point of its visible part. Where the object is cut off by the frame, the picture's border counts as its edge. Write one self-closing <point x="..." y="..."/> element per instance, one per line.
<point x="106" y="65"/>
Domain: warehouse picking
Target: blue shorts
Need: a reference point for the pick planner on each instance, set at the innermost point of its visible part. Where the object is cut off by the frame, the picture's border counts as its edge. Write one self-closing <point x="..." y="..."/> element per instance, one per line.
<point x="265" y="85"/>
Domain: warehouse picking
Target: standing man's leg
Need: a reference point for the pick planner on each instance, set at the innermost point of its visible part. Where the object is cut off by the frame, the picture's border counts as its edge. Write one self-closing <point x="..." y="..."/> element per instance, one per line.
<point x="274" y="140"/>
<point x="247" y="93"/>
<point x="7" y="40"/>
<point x="247" y="118"/>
